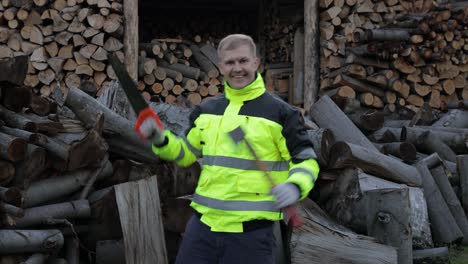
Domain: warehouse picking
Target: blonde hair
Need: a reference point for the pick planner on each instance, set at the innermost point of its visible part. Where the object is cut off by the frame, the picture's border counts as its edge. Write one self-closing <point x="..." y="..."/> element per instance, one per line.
<point x="234" y="41"/>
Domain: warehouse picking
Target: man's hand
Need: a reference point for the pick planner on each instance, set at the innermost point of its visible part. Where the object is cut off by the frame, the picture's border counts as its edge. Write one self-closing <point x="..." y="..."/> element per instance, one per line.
<point x="286" y="194"/>
<point x="150" y="131"/>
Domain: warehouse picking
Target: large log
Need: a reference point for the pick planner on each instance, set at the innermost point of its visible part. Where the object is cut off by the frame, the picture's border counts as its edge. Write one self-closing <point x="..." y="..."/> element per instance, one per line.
<point x="453" y="203"/>
<point x="344" y="154"/>
<point x="388" y="220"/>
<point x="327" y="115"/>
<point x="456" y="141"/>
<point x="85" y="107"/>
<point x="443" y="225"/>
<point x="15" y="120"/>
<point x="205" y="64"/>
<point x="296" y="93"/>
<point x="40" y="215"/>
<point x="140" y="212"/>
<point x="320" y="240"/>
<point x="348" y="198"/>
<point x="30" y="241"/>
<point x="12" y="148"/>
<point x="429" y="142"/>
<point x="462" y="165"/>
<point x="454" y="118"/>
<point x="49" y="189"/>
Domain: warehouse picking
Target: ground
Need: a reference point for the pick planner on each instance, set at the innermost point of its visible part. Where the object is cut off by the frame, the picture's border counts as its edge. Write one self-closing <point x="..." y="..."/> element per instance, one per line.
<point x="459" y="255"/>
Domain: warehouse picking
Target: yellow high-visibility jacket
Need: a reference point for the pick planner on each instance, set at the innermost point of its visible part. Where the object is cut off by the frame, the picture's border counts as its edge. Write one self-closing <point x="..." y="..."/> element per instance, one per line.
<point x="231" y="188"/>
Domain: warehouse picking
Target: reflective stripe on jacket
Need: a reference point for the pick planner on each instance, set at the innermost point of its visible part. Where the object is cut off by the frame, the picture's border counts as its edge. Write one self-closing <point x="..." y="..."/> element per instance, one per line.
<point x="231" y="188"/>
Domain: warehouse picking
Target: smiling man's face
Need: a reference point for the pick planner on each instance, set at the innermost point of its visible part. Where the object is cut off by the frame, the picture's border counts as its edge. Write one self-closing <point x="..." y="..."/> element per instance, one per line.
<point x="238" y="66"/>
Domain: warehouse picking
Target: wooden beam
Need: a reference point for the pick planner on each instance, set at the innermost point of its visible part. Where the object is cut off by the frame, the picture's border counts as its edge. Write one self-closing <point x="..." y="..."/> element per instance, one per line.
<point x="130" y="10"/>
<point x="311" y="53"/>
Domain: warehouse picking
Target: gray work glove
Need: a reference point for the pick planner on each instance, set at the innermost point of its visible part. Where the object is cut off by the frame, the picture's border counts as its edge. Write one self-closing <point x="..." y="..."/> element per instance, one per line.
<point x="149" y="130"/>
<point x="286" y="194"/>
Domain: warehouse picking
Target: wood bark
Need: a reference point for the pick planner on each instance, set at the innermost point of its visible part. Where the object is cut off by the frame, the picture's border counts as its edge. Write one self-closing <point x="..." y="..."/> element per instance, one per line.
<point x="451" y="199"/>
<point x="443" y="225"/>
<point x="322" y="140"/>
<point x="50" y="189"/>
<point x="345" y="154"/>
<point x="321" y="240"/>
<point x="389" y="220"/>
<point x="296" y="94"/>
<point x="40" y="215"/>
<point x="130" y="9"/>
<point x="134" y="198"/>
<point x="462" y="166"/>
<point x="30" y="241"/>
<point x="327" y="115"/>
<point x="311" y="53"/>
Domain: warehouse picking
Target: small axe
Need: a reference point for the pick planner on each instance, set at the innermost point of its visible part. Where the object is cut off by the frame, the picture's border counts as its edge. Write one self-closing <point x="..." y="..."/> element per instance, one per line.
<point x="237" y="135"/>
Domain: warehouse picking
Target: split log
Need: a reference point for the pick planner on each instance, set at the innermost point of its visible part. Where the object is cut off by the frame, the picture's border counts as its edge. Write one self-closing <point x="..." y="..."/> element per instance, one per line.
<point x="344" y="154"/>
<point x="30" y="241"/>
<point x="40" y="215"/>
<point x="462" y="166"/>
<point x="132" y="199"/>
<point x="388" y="220"/>
<point x="451" y="199"/>
<point x="321" y="240"/>
<point x="443" y="225"/>
<point x="327" y="115"/>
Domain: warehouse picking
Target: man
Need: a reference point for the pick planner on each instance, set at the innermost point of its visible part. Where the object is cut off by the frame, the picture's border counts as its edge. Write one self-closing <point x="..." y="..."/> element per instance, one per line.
<point x="235" y="203"/>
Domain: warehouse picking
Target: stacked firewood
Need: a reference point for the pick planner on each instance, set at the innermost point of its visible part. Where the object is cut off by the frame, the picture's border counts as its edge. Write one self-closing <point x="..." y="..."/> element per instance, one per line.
<point x="68" y="41"/>
<point x="394" y="53"/>
<point x="178" y="72"/>
<point x="402" y="180"/>
<point x="64" y="160"/>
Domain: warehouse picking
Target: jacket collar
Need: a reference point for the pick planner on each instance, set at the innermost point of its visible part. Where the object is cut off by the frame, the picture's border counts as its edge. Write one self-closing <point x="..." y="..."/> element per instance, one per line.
<point x="249" y="92"/>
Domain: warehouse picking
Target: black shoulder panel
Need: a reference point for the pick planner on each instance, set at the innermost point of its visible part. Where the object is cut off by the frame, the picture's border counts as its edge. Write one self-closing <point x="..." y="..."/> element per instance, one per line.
<point x="267" y="106"/>
<point x="215" y="106"/>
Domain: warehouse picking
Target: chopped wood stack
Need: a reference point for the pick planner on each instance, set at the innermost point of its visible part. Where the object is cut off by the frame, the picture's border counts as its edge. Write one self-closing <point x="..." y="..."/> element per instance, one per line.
<point x="59" y="165"/>
<point x="68" y="41"/>
<point x="394" y="53"/>
<point x="178" y="72"/>
<point x="399" y="179"/>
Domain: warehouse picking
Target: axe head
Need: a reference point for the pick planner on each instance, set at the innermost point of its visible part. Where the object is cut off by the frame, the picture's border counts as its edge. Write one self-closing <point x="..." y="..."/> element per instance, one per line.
<point x="237" y="135"/>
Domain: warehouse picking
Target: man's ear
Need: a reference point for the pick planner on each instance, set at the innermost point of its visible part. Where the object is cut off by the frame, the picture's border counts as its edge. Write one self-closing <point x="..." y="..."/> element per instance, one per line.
<point x="257" y="62"/>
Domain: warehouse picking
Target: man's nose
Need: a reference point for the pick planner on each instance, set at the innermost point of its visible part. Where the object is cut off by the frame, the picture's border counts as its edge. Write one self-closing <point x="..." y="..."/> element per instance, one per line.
<point x="237" y="66"/>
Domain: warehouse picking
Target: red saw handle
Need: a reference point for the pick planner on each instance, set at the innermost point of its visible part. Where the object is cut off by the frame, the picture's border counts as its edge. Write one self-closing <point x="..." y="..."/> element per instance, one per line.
<point x="294" y="218"/>
<point x="145" y="114"/>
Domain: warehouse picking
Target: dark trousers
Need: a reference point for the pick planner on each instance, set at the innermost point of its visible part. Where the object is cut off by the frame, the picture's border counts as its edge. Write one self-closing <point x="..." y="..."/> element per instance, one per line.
<point x="202" y="246"/>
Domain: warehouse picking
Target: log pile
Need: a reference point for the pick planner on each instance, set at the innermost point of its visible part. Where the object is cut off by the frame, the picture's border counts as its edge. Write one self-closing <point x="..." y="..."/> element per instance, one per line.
<point x="61" y="169"/>
<point x="397" y="177"/>
<point x="67" y="41"/>
<point x="176" y="71"/>
<point x="395" y="53"/>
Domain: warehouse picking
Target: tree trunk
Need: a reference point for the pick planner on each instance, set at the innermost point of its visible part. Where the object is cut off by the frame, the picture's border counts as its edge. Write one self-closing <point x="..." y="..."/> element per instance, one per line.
<point x="345" y="154"/>
<point x="443" y="225"/>
<point x="320" y="240"/>
<point x="327" y="115"/>
<point x="40" y="215"/>
<point x="462" y="165"/>
<point x="388" y="220"/>
<point x="30" y="241"/>
<point x="451" y="199"/>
